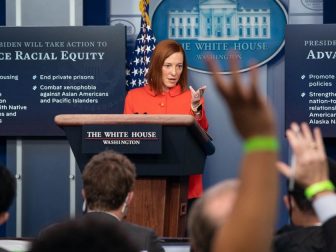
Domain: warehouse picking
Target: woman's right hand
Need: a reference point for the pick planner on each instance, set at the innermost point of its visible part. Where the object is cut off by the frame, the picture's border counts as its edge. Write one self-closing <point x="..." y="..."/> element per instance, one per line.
<point x="196" y="96"/>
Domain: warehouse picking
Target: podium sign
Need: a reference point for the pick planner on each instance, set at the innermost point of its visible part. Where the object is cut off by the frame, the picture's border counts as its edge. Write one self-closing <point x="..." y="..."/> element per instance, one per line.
<point x="127" y="139"/>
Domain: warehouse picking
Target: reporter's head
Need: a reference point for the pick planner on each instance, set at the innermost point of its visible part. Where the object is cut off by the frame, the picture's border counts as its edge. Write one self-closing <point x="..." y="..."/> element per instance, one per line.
<point x="107" y="179"/>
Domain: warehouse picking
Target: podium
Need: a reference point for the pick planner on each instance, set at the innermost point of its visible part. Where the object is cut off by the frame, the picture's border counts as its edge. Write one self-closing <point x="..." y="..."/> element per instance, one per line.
<point x="166" y="149"/>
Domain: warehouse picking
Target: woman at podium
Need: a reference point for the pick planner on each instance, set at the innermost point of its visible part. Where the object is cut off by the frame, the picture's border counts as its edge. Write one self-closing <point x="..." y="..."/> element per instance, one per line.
<point x="167" y="92"/>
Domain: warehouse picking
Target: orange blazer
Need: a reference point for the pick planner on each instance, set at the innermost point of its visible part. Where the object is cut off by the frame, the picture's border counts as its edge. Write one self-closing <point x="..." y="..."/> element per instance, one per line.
<point x="143" y="100"/>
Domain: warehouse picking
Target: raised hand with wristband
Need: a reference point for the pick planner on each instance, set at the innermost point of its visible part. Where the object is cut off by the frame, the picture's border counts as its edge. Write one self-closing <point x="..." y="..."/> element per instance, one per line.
<point x="254" y="120"/>
<point x="312" y="172"/>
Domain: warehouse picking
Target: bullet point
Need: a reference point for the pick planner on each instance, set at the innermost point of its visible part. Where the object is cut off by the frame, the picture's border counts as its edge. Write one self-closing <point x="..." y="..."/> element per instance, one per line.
<point x="303" y="94"/>
<point x="303" y="77"/>
<point x="34" y="77"/>
<point x="34" y="87"/>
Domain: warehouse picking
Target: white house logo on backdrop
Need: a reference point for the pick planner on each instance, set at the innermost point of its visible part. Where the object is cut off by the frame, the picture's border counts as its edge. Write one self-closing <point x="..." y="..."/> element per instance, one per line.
<point x="211" y="28"/>
<point x="219" y="22"/>
<point x="313" y="4"/>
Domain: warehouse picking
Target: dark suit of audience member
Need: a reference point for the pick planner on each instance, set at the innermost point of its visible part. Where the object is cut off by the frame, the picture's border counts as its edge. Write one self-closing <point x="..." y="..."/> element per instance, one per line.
<point x="7" y="194"/>
<point x="329" y="232"/>
<point x="300" y="239"/>
<point x="305" y="234"/>
<point x="142" y="237"/>
<point x="84" y="235"/>
<point x="108" y="180"/>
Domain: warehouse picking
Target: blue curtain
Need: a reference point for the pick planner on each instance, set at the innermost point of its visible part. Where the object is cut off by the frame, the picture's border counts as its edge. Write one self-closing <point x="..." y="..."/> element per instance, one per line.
<point x="329" y="7"/>
<point x="96" y="12"/>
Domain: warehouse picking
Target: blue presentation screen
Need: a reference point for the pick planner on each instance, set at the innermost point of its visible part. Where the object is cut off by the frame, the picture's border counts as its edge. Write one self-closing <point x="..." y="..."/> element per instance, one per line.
<point x="45" y="71"/>
<point x="310" y="90"/>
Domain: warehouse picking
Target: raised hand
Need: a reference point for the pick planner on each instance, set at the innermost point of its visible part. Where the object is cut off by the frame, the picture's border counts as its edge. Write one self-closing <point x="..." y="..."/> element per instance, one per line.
<point x="250" y="112"/>
<point x="310" y="163"/>
<point x="253" y="119"/>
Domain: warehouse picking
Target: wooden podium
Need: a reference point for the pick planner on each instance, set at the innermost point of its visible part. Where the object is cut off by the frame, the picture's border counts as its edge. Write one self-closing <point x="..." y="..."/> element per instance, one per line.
<point x="179" y="149"/>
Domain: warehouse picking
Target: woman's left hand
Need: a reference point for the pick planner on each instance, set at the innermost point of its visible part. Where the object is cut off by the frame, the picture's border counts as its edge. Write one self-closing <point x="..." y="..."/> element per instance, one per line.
<point x="196" y="96"/>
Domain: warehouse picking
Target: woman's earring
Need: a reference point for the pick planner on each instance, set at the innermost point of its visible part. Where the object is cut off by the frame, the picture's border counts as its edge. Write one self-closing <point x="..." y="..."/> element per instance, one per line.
<point x="84" y="207"/>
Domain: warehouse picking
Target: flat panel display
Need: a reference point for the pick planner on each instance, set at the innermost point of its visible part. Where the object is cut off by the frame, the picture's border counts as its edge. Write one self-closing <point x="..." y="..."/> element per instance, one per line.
<point x="45" y="71"/>
<point x="310" y="90"/>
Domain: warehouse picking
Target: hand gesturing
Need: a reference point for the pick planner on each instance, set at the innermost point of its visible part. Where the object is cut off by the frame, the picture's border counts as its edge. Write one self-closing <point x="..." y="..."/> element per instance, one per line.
<point x="196" y="96"/>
